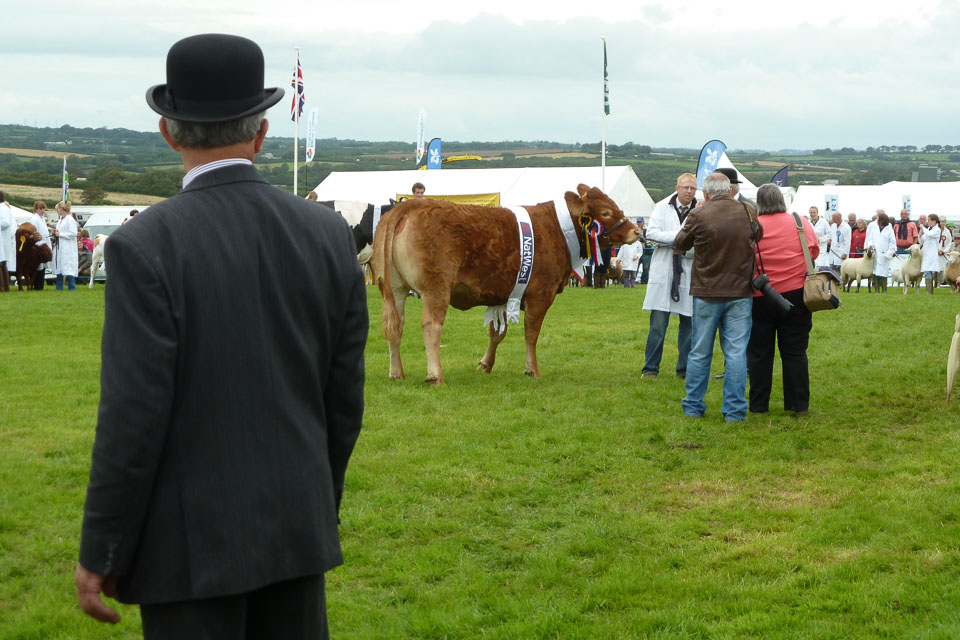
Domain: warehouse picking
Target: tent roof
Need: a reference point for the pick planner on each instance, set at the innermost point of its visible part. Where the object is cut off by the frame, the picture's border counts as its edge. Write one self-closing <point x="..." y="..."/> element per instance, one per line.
<point x="516" y="186"/>
<point x="942" y="198"/>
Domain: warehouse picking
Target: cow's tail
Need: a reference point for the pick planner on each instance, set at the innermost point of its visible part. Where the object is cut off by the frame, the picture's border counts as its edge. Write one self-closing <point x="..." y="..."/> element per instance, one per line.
<point x="383" y="249"/>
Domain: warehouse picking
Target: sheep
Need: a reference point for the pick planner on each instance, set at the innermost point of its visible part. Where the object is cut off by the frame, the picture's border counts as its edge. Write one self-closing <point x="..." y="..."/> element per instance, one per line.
<point x="99" y="246"/>
<point x="951" y="275"/>
<point x="855" y="269"/>
<point x="912" y="275"/>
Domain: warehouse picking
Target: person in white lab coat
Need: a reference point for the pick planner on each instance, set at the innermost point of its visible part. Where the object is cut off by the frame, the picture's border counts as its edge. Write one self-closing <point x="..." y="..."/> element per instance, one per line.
<point x="629" y="257"/>
<point x="822" y="229"/>
<point x="930" y="250"/>
<point x="39" y="220"/>
<point x="8" y="253"/>
<point x="886" y="247"/>
<point x="664" y="296"/>
<point x="65" y="254"/>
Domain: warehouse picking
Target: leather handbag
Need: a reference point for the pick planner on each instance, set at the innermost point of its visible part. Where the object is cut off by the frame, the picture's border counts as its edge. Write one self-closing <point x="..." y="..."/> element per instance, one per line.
<point x="821" y="286"/>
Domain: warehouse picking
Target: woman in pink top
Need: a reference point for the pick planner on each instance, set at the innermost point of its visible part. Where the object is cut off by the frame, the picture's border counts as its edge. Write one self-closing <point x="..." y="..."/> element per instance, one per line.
<point x="784" y="263"/>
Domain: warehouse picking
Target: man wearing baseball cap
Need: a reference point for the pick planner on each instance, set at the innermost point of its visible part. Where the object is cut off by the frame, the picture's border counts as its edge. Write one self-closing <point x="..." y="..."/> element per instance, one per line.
<point x="231" y="394"/>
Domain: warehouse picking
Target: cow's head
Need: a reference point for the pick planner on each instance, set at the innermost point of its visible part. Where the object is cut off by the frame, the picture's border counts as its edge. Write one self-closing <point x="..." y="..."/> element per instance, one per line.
<point x="593" y="203"/>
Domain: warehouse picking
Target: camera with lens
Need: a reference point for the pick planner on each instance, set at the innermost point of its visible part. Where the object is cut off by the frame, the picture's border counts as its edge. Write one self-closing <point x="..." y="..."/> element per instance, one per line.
<point x="762" y="284"/>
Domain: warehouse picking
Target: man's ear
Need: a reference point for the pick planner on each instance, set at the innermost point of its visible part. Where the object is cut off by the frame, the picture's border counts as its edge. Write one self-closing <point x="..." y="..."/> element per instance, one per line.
<point x="258" y="140"/>
<point x="166" y="135"/>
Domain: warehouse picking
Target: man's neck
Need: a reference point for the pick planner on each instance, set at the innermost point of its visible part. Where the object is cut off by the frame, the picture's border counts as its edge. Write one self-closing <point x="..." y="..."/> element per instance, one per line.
<point x="193" y="157"/>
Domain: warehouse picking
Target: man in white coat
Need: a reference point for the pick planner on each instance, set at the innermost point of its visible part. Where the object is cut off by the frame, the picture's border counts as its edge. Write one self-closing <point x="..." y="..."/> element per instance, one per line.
<point x="7" y="248"/>
<point x="38" y="220"/>
<point x="885" y="246"/>
<point x="930" y="248"/>
<point x="839" y="241"/>
<point x="668" y="292"/>
<point x="822" y="229"/>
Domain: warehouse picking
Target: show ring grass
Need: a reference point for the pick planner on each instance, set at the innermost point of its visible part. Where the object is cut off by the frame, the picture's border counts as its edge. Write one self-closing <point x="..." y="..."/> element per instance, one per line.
<point x="582" y="505"/>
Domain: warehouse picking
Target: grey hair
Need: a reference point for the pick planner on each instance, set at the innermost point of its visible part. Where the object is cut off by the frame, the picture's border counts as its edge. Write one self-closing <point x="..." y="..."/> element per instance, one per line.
<point x="716" y="184"/>
<point x="208" y="135"/>
<point x="770" y="199"/>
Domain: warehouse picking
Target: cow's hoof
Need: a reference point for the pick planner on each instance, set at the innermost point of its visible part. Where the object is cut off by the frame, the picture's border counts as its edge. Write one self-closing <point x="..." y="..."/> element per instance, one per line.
<point x="483" y="367"/>
<point x="394" y="376"/>
<point x="532" y="374"/>
<point x="434" y="380"/>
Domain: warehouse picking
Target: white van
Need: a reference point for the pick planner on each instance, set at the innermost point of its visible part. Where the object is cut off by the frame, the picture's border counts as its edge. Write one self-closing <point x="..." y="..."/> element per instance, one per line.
<point x="104" y="220"/>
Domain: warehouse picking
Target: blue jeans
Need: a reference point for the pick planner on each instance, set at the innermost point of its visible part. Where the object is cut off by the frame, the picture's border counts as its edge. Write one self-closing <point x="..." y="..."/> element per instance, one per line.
<point x="71" y="283"/>
<point x="734" y="318"/>
<point x="654" y="350"/>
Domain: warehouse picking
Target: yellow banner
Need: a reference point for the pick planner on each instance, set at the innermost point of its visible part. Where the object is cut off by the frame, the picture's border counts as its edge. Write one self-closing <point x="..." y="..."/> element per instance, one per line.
<point x="484" y="199"/>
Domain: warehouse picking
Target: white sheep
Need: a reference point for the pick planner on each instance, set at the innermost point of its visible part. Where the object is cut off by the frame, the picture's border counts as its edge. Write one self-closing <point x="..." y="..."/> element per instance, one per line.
<point x="951" y="274"/>
<point x="912" y="275"/>
<point x="98" y="247"/>
<point x="856" y="269"/>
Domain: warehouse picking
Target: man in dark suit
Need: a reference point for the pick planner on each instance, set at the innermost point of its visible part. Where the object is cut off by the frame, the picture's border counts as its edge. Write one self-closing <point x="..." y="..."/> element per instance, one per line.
<point x="231" y="393"/>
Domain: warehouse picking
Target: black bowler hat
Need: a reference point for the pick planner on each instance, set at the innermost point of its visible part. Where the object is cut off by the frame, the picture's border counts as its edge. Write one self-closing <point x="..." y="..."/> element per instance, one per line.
<point x="213" y="78"/>
<point x="730" y="173"/>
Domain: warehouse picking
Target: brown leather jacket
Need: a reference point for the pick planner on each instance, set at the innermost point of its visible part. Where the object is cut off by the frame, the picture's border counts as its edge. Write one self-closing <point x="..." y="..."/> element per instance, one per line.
<point x="723" y="236"/>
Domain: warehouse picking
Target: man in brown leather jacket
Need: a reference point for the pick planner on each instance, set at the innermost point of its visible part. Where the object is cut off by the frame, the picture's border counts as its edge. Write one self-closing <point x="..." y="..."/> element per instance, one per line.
<point x="723" y="234"/>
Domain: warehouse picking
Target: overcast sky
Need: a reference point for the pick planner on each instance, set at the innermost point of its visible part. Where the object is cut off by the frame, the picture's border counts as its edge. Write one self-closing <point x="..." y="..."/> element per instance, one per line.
<point x="754" y="73"/>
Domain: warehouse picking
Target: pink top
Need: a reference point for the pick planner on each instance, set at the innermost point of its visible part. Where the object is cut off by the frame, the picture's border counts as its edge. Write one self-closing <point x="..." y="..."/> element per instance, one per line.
<point x="780" y="249"/>
<point x="88" y="243"/>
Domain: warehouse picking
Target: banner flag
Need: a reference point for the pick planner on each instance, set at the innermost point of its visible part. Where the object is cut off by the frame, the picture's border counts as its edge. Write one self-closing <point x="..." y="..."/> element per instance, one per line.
<point x="296" y="110"/>
<point x="709" y="159"/>
<point x="420" y="122"/>
<point x="781" y="178"/>
<point x="311" y="134"/>
<point x="65" y="193"/>
<point x="606" y="81"/>
<point x="434" y="159"/>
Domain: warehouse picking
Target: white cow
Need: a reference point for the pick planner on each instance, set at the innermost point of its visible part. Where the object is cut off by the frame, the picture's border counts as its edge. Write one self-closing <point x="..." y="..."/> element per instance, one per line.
<point x="98" y="244"/>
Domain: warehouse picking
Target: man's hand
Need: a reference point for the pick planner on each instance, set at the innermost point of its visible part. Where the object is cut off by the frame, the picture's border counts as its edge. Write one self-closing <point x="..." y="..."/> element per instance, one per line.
<point x="89" y="587"/>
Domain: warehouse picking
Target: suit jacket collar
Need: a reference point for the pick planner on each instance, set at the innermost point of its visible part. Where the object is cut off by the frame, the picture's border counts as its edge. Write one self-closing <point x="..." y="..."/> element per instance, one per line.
<point x="226" y="175"/>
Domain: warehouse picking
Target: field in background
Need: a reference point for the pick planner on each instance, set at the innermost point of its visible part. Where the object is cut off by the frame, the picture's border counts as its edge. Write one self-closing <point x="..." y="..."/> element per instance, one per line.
<point x="582" y="505"/>
<point x="43" y="153"/>
<point x="76" y="195"/>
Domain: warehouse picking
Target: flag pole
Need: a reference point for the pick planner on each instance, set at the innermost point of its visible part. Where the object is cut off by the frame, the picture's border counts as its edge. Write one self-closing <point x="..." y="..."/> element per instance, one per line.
<point x="603" y="134"/>
<point x="296" y="128"/>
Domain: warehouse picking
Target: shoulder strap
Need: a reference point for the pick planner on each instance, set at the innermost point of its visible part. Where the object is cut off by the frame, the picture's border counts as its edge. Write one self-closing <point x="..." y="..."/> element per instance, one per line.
<point x="803" y="243"/>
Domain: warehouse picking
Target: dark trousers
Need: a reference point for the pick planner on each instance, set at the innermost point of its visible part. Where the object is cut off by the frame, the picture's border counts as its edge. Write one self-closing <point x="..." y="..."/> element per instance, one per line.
<point x="38" y="280"/>
<point x="790" y="332"/>
<point x="291" y="609"/>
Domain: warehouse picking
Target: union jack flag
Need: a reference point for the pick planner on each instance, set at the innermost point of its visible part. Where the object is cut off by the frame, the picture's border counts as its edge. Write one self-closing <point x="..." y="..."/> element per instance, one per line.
<point x="298" y="95"/>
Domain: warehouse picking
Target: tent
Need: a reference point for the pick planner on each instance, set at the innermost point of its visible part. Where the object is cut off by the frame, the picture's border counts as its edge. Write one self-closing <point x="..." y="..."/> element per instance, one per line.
<point x="941" y="198"/>
<point x="516" y="186"/>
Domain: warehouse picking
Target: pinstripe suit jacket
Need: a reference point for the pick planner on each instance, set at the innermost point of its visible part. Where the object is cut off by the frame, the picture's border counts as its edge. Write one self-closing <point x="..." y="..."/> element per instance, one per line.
<point x="231" y="392"/>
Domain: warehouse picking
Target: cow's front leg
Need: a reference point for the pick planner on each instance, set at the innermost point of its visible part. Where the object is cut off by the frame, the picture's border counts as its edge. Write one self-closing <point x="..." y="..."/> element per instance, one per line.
<point x="396" y="365"/>
<point x="490" y="357"/>
<point x="434" y="313"/>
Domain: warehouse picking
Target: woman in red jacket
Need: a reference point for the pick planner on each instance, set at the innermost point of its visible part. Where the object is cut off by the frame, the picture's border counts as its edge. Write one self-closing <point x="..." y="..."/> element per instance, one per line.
<point x="784" y="264"/>
<point x="857" y="237"/>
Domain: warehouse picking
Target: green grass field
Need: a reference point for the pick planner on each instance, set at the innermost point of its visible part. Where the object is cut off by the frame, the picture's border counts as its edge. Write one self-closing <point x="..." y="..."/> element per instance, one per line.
<point x="583" y="505"/>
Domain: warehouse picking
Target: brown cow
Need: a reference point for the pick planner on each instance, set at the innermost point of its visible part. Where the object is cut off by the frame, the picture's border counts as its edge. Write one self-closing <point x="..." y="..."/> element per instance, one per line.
<point x="30" y="255"/>
<point x="465" y="256"/>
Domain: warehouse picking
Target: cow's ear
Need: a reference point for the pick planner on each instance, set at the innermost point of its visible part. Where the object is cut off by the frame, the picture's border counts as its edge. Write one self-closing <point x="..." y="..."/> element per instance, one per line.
<point x="582" y="189"/>
<point x="574" y="203"/>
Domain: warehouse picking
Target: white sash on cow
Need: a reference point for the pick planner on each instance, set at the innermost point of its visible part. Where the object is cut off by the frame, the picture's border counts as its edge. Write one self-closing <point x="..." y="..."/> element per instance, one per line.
<point x="501" y="314"/>
<point x="570" y="235"/>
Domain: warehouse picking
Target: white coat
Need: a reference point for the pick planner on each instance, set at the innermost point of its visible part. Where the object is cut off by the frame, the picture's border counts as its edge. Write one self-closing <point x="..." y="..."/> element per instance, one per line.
<point x="629" y="256"/>
<point x="839" y="242"/>
<point x="663" y="226"/>
<point x="822" y="228"/>
<point x="8" y="250"/>
<point x="886" y="248"/>
<point x="41" y="225"/>
<point x="930" y="249"/>
<point x="65" y="254"/>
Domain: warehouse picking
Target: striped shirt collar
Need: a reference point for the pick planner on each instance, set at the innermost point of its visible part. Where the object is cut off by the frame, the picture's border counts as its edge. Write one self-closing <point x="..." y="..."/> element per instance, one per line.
<point x="212" y="166"/>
